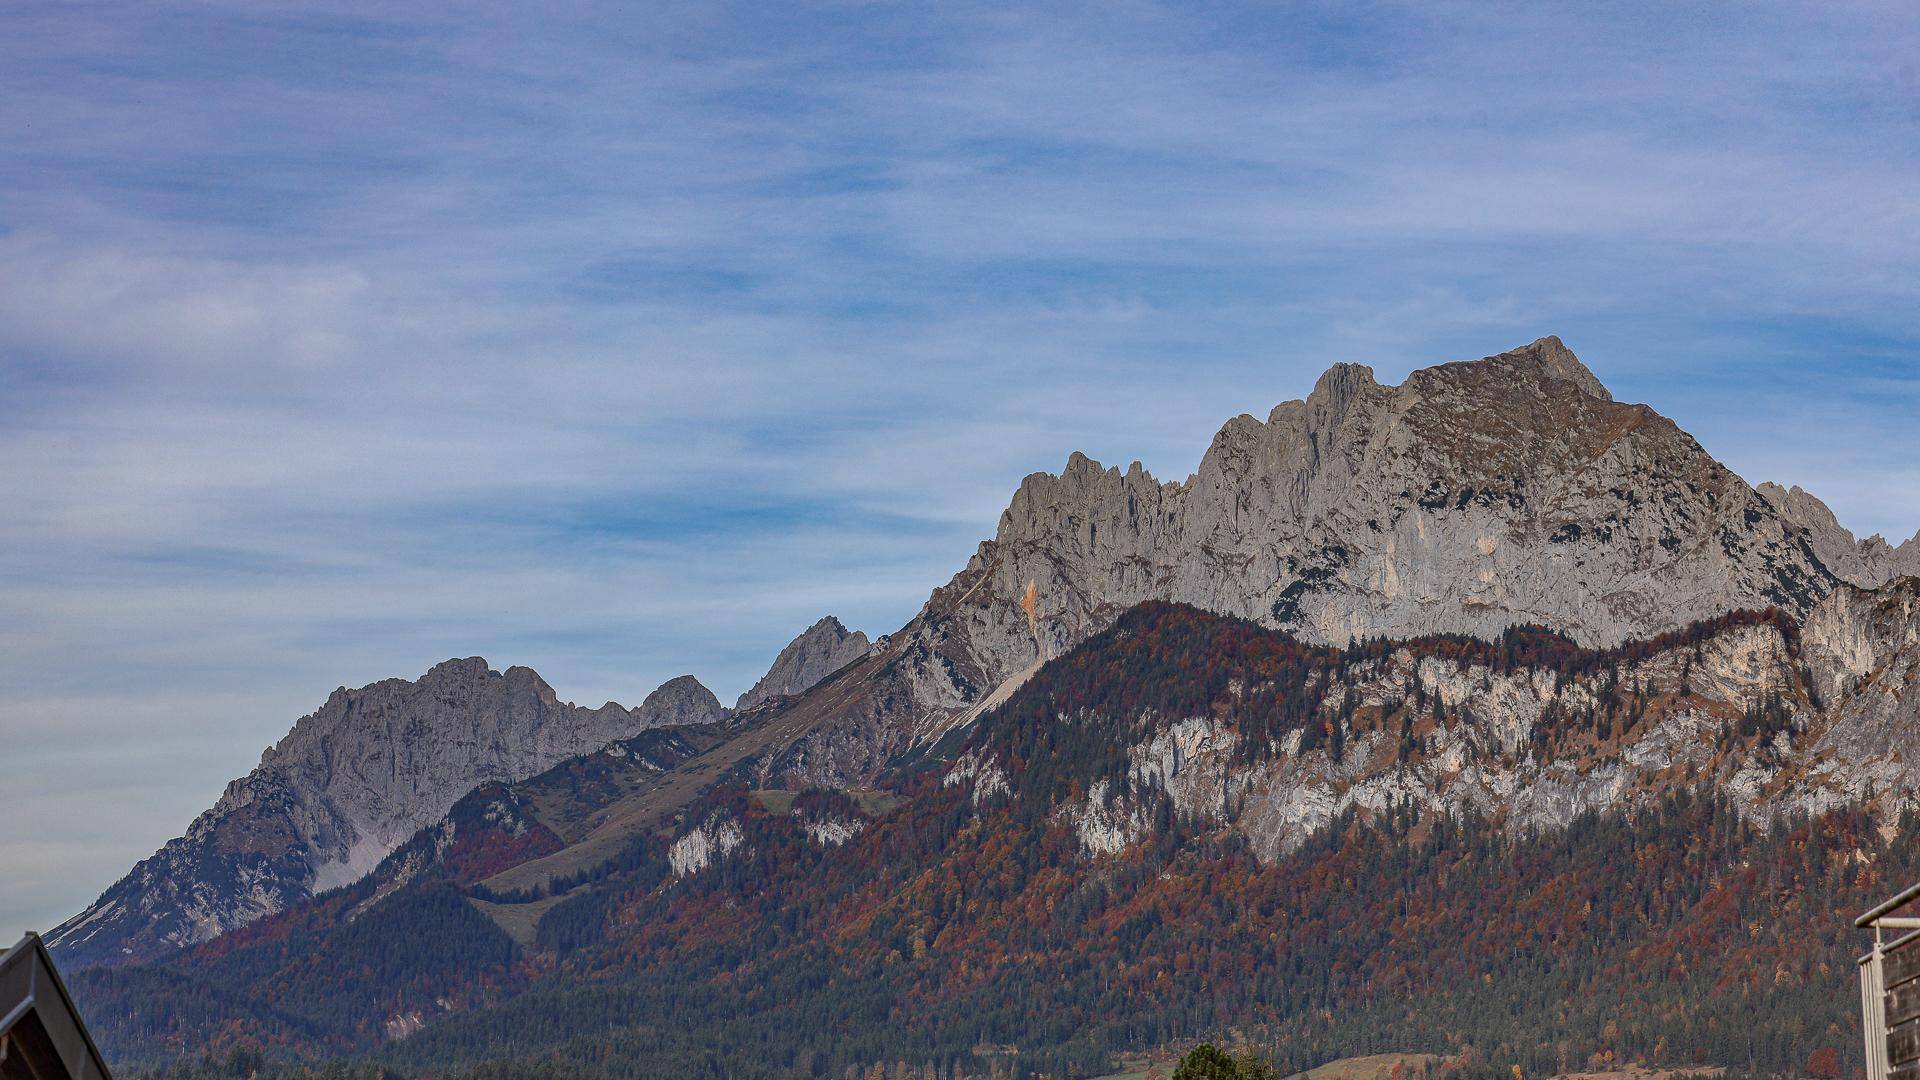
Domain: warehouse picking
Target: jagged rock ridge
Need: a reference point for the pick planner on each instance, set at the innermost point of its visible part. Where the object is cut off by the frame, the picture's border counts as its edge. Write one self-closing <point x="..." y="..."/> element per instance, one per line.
<point x="348" y="784"/>
<point x="1473" y="496"/>
<point x="1871" y="562"/>
<point x="353" y="781"/>
<point x="819" y="651"/>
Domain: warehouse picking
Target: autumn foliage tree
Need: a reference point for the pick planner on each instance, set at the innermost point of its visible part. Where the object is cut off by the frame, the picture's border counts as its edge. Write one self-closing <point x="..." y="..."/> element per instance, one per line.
<point x="1209" y="1062"/>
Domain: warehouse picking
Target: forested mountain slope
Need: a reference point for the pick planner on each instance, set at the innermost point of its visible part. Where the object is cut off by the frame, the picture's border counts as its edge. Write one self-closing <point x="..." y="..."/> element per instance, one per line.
<point x="1149" y="769"/>
<point x="1516" y="852"/>
<point x="350" y="781"/>
<point x="362" y="774"/>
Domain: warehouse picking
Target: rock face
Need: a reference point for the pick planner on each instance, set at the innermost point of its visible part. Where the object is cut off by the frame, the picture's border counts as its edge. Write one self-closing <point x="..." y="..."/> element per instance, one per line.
<point x="1862" y="648"/>
<point x="345" y="787"/>
<point x="1779" y="719"/>
<point x="819" y="651"/>
<point x="1871" y="562"/>
<point x="1474" y="496"/>
<point x="679" y="702"/>
<point x="1470" y="498"/>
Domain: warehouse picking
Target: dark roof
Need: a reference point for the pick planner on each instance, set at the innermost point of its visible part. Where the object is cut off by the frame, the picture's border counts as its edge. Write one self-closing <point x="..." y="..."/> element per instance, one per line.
<point x="41" y="1035"/>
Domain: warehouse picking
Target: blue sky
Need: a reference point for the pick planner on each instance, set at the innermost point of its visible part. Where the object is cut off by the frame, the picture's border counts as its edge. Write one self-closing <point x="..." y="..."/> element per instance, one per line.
<point x="624" y="341"/>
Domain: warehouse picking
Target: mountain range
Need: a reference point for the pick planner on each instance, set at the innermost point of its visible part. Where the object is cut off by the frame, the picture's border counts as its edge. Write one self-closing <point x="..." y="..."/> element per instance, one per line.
<point x="1129" y="762"/>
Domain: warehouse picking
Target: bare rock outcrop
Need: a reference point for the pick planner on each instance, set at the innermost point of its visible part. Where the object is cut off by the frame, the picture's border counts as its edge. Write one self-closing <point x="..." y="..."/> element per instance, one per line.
<point x="1471" y="497"/>
<point x="346" y="786"/>
<point x="1862" y="648"/>
<point x="819" y="651"/>
<point x="678" y="702"/>
<point x="1870" y="563"/>
<point x="1778" y="719"/>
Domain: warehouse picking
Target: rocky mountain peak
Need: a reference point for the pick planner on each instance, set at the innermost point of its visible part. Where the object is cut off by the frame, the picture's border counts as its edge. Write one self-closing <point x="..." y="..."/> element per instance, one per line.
<point x="1802" y="506"/>
<point x="679" y="701"/>
<point x="349" y="783"/>
<point x="1471" y="497"/>
<point x="819" y="651"/>
<point x="1544" y="366"/>
<point x="359" y="776"/>
<point x="455" y="667"/>
<point x="1557" y="362"/>
<point x="1869" y="562"/>
<point x="1335" y="392"/>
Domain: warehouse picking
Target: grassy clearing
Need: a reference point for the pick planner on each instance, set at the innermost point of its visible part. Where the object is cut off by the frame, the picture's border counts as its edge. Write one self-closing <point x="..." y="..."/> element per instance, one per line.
<point x="872" y="801"/>
<point x="565" y="812"/>
<point x="607" y="831"/>
<point x="1138" y="1066"/>
<point x="775" y="801"/>
<point x="876" y="802"/>
<point x="1369" y="1067"/>
<point x="518" y="920"/>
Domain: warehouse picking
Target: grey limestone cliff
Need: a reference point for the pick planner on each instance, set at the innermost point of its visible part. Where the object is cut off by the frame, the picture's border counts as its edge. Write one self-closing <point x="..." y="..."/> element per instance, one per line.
<point x="819" y="651"/>
<point x="678" y="702"/>
<point x="347" y="785"/>
<point x="1776" y="719"/>
<point x="1871" y="562"/>
<point x="1862" y="648"/>
<point x="1471" y="497"/>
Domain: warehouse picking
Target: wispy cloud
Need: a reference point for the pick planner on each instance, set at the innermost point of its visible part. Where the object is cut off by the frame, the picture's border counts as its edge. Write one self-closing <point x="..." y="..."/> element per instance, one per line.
<point x="339" y="338"/>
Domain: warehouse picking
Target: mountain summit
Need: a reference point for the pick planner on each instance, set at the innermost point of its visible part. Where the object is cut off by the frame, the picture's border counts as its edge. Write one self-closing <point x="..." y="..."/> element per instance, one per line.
<point x="348" y="784"/>
<point x="1430" y="659"/>
<point x="819" y="651"/>
<point x="360" y="775"/>
<point x="1472" y="497"/>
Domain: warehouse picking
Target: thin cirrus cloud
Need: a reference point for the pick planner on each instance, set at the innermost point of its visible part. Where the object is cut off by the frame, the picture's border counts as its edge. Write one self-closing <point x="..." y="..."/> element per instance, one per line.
<point x="338" y="339"/>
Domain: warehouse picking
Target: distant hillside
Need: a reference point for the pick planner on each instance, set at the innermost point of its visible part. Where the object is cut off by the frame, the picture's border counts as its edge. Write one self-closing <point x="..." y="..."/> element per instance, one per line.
<point x="361" y="774"/>
<point x="1510" y="852"/>
<point x="1482" y="716"/>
